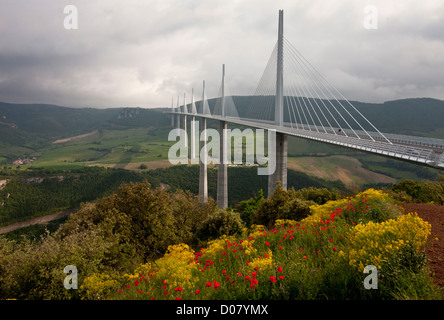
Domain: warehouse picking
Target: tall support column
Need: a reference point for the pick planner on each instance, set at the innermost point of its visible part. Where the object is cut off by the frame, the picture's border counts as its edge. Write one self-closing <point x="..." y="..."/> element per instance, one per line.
<point x="193" y="139"/>
<point x="222" y="174"/>
<point x="203" y="178"/>
<point x="193" y="126"/>
<point x="280" y="173"/>
<point x="184" y="121"/>
<point x="279" y="102"/>
<point x="172" y="115"/>
<point x="177" y="115"/>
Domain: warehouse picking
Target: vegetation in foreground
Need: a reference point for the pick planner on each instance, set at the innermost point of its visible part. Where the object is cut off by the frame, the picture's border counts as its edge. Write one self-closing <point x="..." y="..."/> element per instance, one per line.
<point x="144" y="243"/>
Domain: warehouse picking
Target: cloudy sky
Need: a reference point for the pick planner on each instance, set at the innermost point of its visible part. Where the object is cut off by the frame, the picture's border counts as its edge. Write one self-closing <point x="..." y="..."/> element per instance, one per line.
<point x="144" y="52"/>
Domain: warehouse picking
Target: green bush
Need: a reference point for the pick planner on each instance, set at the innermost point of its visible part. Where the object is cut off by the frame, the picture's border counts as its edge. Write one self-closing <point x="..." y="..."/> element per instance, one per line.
<point x="283" y="204"/>
<point x="247" y="208"/>
<point x="420" y="191"/>
<point x="222" y="222"/>
<point x="318" y="195"/>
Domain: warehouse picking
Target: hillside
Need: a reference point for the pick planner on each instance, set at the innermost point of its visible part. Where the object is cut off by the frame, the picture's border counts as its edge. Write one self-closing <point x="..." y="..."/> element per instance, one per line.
<point x="27" y="128"/>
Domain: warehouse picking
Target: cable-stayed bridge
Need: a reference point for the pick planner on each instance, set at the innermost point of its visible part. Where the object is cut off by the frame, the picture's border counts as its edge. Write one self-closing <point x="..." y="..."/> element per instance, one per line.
<point x="294" y="99"/>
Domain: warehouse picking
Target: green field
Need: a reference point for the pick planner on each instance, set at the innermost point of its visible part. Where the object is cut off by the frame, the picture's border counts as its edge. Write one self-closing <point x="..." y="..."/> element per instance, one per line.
<point x="109" y="147"/>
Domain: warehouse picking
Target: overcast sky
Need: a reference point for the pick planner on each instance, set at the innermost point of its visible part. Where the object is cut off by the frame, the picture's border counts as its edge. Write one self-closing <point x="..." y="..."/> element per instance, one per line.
<point x="144" y="52"/>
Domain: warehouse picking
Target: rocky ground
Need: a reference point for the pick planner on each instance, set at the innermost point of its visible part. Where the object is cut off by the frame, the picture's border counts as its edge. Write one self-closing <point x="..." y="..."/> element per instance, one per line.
<point x="433" y="214"/>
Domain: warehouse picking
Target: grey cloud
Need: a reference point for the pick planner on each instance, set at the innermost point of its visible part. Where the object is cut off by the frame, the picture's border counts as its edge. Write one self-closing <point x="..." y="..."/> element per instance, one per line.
<point x="145" y="52"/>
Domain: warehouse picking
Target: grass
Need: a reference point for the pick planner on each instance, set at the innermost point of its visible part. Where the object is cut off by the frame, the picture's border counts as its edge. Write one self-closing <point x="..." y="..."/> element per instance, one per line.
<point x="337" y="167"/>
<point x="136" y="145"/>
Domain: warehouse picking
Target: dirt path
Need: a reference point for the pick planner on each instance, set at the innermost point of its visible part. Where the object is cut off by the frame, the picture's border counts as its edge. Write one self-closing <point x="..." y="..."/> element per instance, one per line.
<point x="76" y="137"/>
<point x="39" y="220"/>
<point x="433" y="214"/>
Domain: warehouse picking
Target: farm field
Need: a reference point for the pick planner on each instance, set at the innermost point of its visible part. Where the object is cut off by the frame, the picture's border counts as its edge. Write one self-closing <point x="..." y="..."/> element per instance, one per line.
<point x="110" y="148"/>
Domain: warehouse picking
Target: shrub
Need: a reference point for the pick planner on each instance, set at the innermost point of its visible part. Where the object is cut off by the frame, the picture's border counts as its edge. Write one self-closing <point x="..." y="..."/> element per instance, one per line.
<point x="318" y="195"/>
<point x="283" y="204"/>
<point x="222" y="222"/>
<point x="420" y="191"/>
<point x="247" y="208"/>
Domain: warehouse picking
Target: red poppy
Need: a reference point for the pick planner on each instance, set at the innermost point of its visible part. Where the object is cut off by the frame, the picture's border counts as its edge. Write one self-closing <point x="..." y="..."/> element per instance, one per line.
<point x="209" y="284"/>
<point x="281" y="277"/>
<point x="197" y="291"/>
<point x="272" y="279"/>
<point x="165" y="292"/>
<point x="280" y="269"/>
<point x="253" y="283"/>
<point x="178" y="298"/>
<point x="224" y="272"/>
<point x="216" y="284"/>
<point x="334" y="249"/>
<point x="178" y="289"/>
<point x="267" y="244"/>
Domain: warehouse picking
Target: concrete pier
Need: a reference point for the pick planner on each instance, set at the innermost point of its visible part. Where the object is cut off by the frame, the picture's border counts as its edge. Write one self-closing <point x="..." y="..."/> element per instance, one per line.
<point x="222" y="175"/>
<point x="280" y="173"/>
<point x="203" y="177"/>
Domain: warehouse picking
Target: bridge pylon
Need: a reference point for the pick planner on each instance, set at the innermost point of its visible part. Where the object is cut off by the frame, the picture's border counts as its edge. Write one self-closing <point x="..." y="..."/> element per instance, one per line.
<point x="222" y="173"/>
<point x="280" y="173"/>
<point x="203" y="176"/>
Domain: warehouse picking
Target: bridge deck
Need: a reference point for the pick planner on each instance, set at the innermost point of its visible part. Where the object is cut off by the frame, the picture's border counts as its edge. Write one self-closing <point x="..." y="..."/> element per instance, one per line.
<point x="427" y="151"/>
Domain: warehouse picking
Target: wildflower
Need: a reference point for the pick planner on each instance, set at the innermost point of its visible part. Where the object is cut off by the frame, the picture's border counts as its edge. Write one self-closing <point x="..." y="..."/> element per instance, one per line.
<point x="197" y="291"/>
<point x="224" y="271"/>
<point x="267" y="244"/>
<point x="165" y="292"/>
<point x="216" y="284"/>
<point x="279" y="269"/>
<point x="178" y="289"/>
<point x="253" y="283"/>
<point x="178" y="298"/>
<point x="209" y="284"/>
<point x="272" y="279"/>
<point x="305" y="257"/>
<point x="334" y="249"/>
<point x="152" y="298"/>
<point x="247" y="277"/>
<point x="281" y="277"/>
<point x="254" y="274"/>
